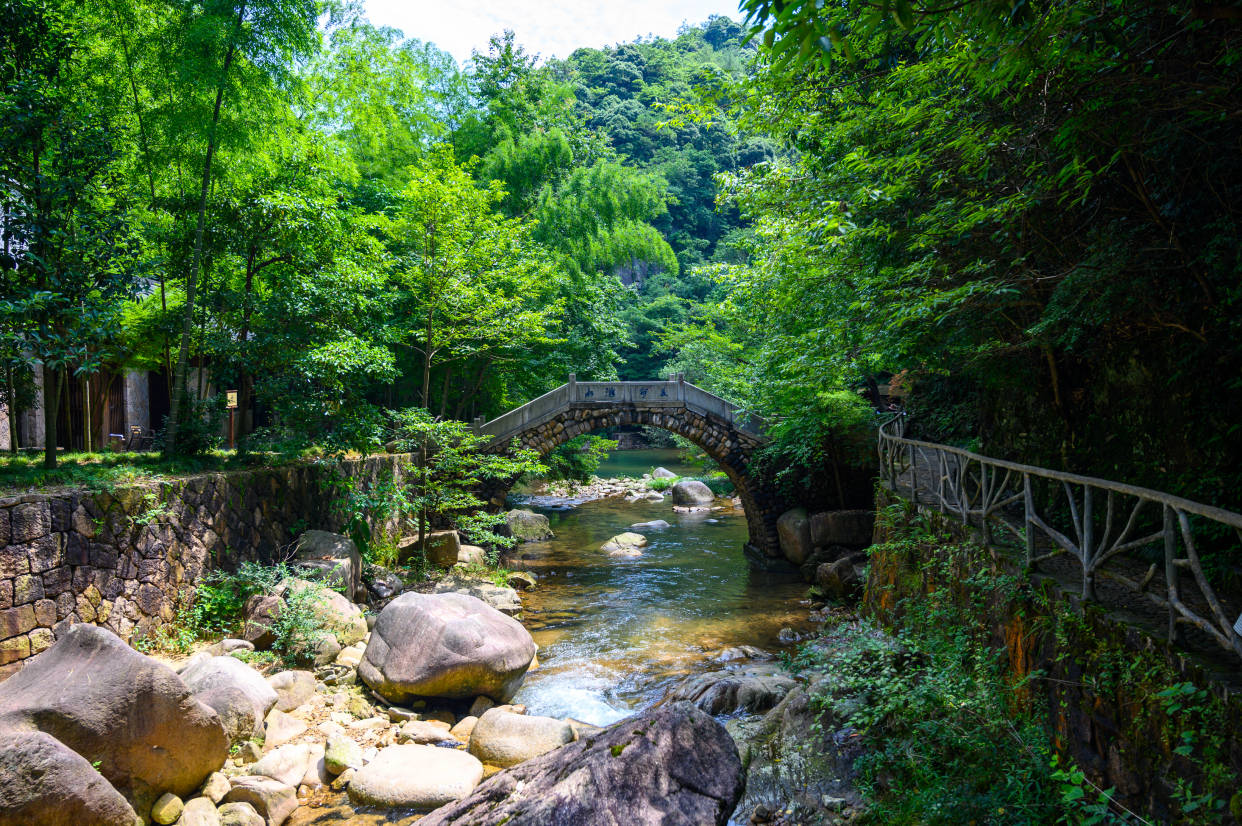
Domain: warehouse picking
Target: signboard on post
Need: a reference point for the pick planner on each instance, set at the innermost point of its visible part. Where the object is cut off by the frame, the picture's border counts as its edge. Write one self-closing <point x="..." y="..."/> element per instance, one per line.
<point x="231" y="403"/>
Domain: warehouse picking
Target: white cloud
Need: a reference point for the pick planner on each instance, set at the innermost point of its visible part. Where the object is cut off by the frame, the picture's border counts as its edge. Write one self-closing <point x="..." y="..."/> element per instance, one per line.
<point x="549" y="28"/>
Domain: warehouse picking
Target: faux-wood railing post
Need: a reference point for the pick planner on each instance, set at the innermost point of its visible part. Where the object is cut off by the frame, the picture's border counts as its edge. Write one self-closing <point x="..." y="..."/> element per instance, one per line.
<point x="984" y="533"/>
<point x="914" y="477"/>
<point x="1028" y="506"/>
<point x="940" y="476"/>
<point x="1088" y="540"/>
<point x="1170" y="572"/>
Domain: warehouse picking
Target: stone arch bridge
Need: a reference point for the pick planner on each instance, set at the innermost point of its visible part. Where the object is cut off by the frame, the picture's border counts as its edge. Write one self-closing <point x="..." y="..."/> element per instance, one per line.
<point x="718" y="427"/>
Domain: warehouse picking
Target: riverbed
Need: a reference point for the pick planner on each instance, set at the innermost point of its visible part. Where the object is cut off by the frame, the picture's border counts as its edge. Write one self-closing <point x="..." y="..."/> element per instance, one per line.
<point x="615" y="633"/>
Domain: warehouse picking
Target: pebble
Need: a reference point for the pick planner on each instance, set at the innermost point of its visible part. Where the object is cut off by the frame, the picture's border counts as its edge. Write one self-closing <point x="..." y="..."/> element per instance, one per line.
<point x="216" y="787"/>
<point x="167" y="809"/>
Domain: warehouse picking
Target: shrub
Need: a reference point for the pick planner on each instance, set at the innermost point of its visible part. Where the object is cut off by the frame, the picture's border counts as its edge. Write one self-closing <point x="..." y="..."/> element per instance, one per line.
<point x="299" y="624"/>
<point x="222" y="595"/>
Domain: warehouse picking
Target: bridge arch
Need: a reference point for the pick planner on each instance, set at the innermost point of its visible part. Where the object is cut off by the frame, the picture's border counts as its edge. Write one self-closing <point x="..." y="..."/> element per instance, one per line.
<point x="730" y="439"/>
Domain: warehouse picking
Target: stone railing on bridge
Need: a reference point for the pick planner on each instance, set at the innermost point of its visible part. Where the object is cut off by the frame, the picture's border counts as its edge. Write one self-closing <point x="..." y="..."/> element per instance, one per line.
<point x="1133" y="549"/>
<point x="675" y="393"/>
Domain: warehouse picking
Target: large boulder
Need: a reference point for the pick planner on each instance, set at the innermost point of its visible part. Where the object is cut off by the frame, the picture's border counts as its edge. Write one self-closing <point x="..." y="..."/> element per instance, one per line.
<point x="692" y="492"/>
<point x="842" y="580"/>
<point x="852" y="529"/>
<point x="445" y="645"/>
<point x="471" y="555"/>
<point x="725" y="692"/>
<point x="238" y="693"/>
<point x="528" y="526"/>
<point x="793" y="529"/>
<point x="505" y="739"/>
<point x="273" y="800"/>
<point x="259" y="613"/>
<point x="293" y="688"/>
<point x="48" y="783"/>
<point x="671" y="766"/>
<point x="287" y="764"/>
<point x="663" y="473"/>
<point x="129" y="715"/>
<point x="505" y="600"/>
<point x="415" y="777"/>
<point x="441" y="548"/>
<point x="332" y="559"/>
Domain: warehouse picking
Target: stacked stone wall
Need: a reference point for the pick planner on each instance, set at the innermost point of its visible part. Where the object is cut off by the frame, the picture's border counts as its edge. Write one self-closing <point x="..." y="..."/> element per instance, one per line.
<point x="128" y="558"/>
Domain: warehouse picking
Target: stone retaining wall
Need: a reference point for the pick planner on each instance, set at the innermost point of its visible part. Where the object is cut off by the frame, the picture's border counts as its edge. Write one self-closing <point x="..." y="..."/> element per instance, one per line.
<point x="128" y="558"/>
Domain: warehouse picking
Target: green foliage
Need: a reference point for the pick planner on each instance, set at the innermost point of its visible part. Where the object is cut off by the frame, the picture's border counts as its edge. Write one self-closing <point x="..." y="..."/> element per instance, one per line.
<point x="110" y="471"/>
<point x="298" y="625"/>
<point x="946" y="739"/>
<point x="969" y="199"/>
<point x="440" y="489"/>
<point x="199" y="431"/>
<point x="578" y="459"/>
<point x="220" y="596"/>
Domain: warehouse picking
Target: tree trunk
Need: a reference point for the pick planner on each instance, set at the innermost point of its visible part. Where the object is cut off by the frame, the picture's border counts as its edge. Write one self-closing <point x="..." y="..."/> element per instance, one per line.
<point x="444" y="388"/>
<point x="87" y="441"/>
<point x="53" y="381"/>
<point x="191" y="278"/>
<point x="12" y="397"/>
<point x="244" y="381"/>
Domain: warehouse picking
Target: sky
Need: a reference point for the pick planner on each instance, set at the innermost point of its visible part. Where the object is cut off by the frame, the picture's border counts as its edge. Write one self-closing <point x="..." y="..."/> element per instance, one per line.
<point x="549" y="28"/>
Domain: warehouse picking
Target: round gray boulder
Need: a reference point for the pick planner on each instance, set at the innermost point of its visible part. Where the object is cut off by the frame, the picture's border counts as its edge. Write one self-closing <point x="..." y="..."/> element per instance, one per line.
<point x="237" y="692"/>
<point x="692" y="492"/>
<point x="129" y="714"/>
<point x="527" y="526"/>
<point x="505" y="739"/>
<point x="46" y="782"/>
<point x="415" y="777"/>
<point x="445" y="645"/>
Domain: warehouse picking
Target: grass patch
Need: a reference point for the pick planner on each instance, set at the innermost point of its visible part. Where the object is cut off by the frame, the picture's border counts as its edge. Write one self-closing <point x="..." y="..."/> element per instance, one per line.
<point x="24" y="472"/>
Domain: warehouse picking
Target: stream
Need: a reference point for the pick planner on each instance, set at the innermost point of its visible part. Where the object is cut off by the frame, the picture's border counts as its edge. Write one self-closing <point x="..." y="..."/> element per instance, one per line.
<point x="615" y="633"/>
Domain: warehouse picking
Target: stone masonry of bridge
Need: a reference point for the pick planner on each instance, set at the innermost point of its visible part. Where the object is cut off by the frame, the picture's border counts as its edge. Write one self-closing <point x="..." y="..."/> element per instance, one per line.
<point x="577" y="408"/>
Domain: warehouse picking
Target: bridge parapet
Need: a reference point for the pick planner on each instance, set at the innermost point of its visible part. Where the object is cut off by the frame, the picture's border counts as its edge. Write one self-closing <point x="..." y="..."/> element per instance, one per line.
<point x="674" y="393"/>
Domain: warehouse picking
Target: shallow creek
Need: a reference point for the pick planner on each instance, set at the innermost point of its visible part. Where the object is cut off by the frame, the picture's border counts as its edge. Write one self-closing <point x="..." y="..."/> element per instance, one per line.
<point x="615" y="633"/>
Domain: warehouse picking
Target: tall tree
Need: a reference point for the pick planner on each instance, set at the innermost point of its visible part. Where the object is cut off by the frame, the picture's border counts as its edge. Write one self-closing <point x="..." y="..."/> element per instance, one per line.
<point x="62" y="203"/>
<point x="261" y="37"/>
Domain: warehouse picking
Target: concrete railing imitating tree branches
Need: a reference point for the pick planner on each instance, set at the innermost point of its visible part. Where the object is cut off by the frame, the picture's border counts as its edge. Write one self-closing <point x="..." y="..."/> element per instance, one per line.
<point x="1143" y="540"/>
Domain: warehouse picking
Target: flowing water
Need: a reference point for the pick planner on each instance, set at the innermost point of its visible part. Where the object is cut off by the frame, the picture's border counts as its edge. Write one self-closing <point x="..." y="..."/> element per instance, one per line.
<point x="614" y="633"/>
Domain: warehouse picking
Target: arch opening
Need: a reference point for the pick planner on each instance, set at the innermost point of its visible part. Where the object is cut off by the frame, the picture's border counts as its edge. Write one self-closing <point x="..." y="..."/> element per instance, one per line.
<point x="729" y="447"/>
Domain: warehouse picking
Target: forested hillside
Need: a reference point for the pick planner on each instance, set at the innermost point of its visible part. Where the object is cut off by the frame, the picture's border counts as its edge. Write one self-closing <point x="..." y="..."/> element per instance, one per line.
<point x="336" y="219"/>
<point x="1028" y="218"/>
